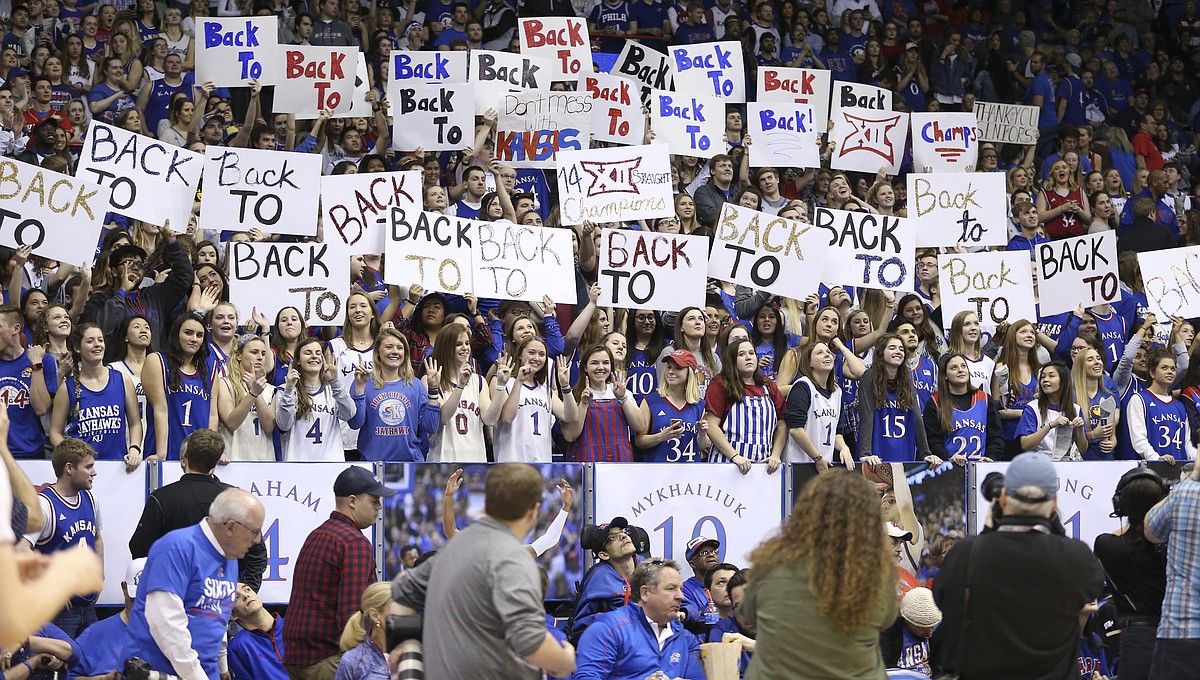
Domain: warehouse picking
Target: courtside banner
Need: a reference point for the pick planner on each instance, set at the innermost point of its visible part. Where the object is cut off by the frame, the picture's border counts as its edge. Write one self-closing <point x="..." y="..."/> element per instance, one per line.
<point x="298" y="498"/>
<point x="675" y="502"/>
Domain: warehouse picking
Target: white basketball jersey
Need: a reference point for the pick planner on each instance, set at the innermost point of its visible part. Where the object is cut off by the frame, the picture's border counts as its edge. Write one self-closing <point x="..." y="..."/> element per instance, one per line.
<point x="823" y="415"/>
<point x="527" y="439"/>
<point x="248" y="442"/>
<point x="317" y="436"/>
<point x="462" y="440"/>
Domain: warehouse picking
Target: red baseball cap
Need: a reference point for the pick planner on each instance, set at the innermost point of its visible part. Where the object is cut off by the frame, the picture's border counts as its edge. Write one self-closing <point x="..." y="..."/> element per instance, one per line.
<point x="683" y="358"/>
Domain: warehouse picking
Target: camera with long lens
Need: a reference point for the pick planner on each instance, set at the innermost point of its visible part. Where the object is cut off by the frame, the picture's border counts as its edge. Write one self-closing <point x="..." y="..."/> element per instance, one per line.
<point x="404" y="631"/>
<point x="139" y="669"/>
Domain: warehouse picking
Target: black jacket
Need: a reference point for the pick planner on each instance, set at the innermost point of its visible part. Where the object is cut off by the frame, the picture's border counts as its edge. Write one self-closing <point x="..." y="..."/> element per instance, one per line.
<point x="1146" y="235"/>
<point x="108" y="308"/>
<point x="1027" y="590"/>
<point x="183" y="504"/>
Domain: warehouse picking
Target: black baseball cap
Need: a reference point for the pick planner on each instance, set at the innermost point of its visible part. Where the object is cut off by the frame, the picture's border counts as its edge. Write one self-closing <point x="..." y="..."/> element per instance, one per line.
<point x="355" y="481"/>
<point x="594" y="537"/>
<point x="125" y="251"/>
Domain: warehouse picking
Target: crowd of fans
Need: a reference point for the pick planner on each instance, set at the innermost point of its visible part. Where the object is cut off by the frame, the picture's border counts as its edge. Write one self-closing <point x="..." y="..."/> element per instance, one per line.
<point x="130" y="357"/>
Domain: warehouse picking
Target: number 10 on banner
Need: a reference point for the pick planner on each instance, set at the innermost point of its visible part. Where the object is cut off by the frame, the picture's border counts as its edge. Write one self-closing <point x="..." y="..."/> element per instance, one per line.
<point x="668" y="529"/>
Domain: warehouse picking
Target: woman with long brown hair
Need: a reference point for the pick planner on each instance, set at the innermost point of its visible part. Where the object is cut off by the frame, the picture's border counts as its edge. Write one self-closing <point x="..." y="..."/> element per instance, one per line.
<point x="890" y="425"/>
<point x="821" y="590"/>
<point x="744" y="410"/>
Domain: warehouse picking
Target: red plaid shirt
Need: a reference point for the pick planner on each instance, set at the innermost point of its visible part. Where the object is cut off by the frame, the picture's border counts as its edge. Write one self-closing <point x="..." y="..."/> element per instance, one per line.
<point x="334" y="567"/>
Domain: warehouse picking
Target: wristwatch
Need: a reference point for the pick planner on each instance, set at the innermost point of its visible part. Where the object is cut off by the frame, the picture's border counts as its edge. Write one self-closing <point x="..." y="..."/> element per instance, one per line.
<point x="37" y="366"/>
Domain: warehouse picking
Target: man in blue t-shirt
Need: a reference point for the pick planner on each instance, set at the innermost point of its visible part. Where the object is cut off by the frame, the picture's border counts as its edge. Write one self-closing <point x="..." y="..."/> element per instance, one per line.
<point x="1041" y="95"/>
<point x="104" y="647"/>
<point x="28" y="381"/>
<point x="185" y="597"/>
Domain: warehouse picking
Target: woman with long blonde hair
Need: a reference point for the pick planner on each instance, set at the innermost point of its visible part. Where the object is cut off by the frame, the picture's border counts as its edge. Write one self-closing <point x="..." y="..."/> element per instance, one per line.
<point x="1015" y="381"/>
<point x="364" y="639"/>
<point x="1096" y="395"/>
<point x="1062" y="207"/>
<point x="244" y="403"/>
<point x="395" y="411"/>
<point x="468" y="405"/>
<point x="826" y="582"/>
<point x="966" y="338"/>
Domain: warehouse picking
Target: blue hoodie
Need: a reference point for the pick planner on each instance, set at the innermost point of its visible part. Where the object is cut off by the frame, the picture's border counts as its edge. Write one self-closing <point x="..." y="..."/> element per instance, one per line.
<point x="620" y="645"/>
<point x="258" y="654"/>
<point x="603" y="591"/>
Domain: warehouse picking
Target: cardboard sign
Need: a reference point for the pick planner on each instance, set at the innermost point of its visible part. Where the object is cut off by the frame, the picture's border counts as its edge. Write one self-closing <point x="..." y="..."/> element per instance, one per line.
<point x="428" y="67"/>
<point x="359" y="106"/>
<point x="803" y="86"/>
<point x="711" y="68"/>
<point x="969" y="208"/>
<point x="149" y="180"/>
<point x="646" y="270"/>
<point x="868" y="140"/>
<point x="276" y="191"/>
<point x="784" y="135"/>
<point x="1010" y="123"/>
<point x="1172" y="282"/>
<point x="307" y="276"/>
<point x="616" y="108"/>
<point x="517" y="262"/>
<point x="1077" y="270"/>
<point x="430" y="249"/>
<point x="849" y="95"/>
<point x="617" y="184"/>
<point x="563" y="41"/>
<point x="433" y="116"/>
<point x="867" y="250"/>
<point x="649" y="67"/>
<point x="232" y="51"/>
<point x="997" y="286"/>
<point x="945" y="142"/>
<point x="58" y="215"/>
<point x="354" y="208"/>
<point x="534" y="125"/>
<point x="767" y="252"/>
<point x="497" y="73"/>
<point x="316" y="79"/>
<point x="691" y="125"/>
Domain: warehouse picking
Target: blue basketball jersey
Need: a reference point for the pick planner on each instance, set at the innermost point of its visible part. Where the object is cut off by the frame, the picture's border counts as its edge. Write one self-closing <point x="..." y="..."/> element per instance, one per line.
<point x="71" y="523"/>
<point x="1124" y="450"/>
<point x="924" y="378"/>
<point x="1166" y="424"/>
<point x="969" y="435"/>
<point x="101" y="417"/>
<point x="894" y="437"/>
<point x="682" y="450"/>
<point x="188" y="409"/>
<point x="642" y="378"/>
<point x="1113" y="332"/>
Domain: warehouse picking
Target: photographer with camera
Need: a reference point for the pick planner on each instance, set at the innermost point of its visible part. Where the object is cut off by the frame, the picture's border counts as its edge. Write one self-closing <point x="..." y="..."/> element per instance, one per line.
<point x="481" y="596"/>
<point x="1013" y="598"/>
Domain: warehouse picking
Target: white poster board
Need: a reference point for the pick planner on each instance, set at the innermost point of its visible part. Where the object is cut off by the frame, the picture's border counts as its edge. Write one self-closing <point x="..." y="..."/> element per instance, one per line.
<point x="307" y="276"/>
<point x="997" y="286"/>
<point x="518" y="262"/>
<point x="428" y="67"/>
<point x="616" y="109"/>
<point x="803" y="86"/>
<point x="495" y="73"/>
<point x="649" y="67"/>
<point x="676" y="502"/>
<point x="647" y="270"/>
<point x="945" y="142"/>
<point x="867" y="141"/>
<point x="715" y="69"/>
<point x="1008" y="123"/>
<point x="316" y="79"/>
<point x="535" y="125"/>
<point x="359" y="106"/>
<point x="433" y="116"/>
<point x="58" y="215"/>
<point x="1077" y="270"/>
<point x="232" y="51"/>
<point x="563" y="41"/>
<point x="783" y="135"/>
<point x="860" y="95"/>
<point x="867" y="250"/>
<point x="1172" y="282"/>
<point x="429" y="249"/>
<point x="691" y="125"/>
<point x="149" y="180"/>
<point x="949" y="208"/>
<point x="297" y="497"/>
<point x="354" y="207"/>
<point x="120" y="497"/>
<point x="275" y="191"/>
<point x="615" y="184"/>
<point x="767" y="252"/>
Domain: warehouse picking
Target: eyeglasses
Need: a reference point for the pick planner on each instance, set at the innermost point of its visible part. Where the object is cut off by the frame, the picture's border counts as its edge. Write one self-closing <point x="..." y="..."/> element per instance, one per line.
<point x="619" y="533"/>
<point x="927" y="265"/>
<point x="258" y="534"/>
<point x="644" y="317"/>
<point x="135" y="265"/>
